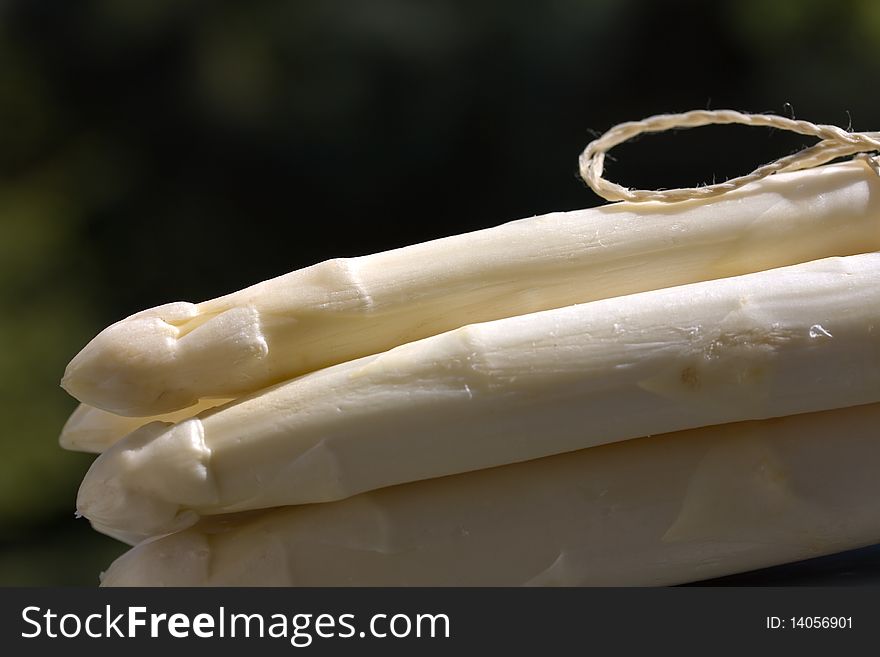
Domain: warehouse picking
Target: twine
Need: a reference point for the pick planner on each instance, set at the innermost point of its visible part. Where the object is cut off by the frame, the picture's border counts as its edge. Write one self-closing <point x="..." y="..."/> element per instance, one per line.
<point x="835" y="142"/>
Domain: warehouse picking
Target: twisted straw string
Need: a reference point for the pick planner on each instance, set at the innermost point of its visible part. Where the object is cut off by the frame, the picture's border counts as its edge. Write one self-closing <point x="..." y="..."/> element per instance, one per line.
<point x="835" y="142"/>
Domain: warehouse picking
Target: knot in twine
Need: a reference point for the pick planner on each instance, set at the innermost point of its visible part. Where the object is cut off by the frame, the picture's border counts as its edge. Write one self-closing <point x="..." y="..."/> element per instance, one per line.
<point x="835" y="142"/>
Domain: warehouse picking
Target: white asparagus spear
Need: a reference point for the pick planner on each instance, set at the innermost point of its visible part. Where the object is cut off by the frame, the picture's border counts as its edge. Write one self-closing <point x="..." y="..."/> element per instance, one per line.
<point x="89" y="429"/>
<point x="168" y="357"/>
<point x="653" y="511"/>
<point x="774" y="343"/>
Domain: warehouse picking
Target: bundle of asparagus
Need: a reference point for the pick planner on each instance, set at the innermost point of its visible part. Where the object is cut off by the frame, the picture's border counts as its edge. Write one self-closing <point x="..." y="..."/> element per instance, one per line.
<point x="390" y="386"/>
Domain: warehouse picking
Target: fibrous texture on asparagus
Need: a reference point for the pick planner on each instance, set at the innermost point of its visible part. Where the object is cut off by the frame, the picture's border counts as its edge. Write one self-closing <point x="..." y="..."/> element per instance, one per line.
<point x="662" y="510"/>
<point x="773" y="343"/>
<point x="363" y="382"/>
<point x="169" y="357"/>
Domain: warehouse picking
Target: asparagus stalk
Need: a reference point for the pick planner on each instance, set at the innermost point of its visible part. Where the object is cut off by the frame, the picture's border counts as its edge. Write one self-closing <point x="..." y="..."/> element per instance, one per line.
<point x="90" y="429"/>
<point x="169" y="357"/>
<point x="774" y="343"/>
<point x="663" y="510"/>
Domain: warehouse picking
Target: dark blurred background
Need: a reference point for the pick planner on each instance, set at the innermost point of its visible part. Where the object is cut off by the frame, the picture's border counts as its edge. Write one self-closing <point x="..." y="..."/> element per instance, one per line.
<point x="161" y="150"/>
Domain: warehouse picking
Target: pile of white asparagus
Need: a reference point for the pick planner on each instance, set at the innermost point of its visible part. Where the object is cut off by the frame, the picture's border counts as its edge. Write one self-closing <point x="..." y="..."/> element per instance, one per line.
<point x="636" y="394"/>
